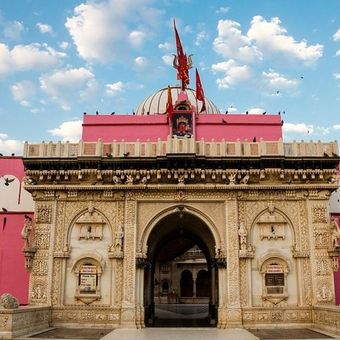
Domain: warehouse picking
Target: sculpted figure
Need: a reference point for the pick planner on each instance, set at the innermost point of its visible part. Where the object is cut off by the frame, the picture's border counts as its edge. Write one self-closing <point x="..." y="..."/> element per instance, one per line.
<point x="242" y="233"/>
<point x="26" y="231"/>
<point x="335" y="233"/>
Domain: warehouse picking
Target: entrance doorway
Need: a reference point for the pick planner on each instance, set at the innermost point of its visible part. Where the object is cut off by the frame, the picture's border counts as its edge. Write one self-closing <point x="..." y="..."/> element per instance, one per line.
<point x="181" y="282"/>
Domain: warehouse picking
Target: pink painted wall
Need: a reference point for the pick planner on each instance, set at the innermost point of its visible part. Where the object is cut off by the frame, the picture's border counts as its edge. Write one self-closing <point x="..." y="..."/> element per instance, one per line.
<point x="208" y="126"/>
<point x="13" y="276"/>
<point x="337" y="274"/>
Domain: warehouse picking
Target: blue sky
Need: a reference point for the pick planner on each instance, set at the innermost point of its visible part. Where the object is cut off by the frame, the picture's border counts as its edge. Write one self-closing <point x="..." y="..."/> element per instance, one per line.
<point x="63" y="57"/>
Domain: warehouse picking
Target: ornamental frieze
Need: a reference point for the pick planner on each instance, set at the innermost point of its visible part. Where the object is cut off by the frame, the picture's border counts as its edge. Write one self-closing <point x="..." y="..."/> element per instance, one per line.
<point x="319" y="214"/>
<point x="44" y="213"/>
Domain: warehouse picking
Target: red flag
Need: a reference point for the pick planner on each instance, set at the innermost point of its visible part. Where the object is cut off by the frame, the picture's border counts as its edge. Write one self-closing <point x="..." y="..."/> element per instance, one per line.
<point x="169" y="106"/>
<point x="199" y="91"/>
<point x="182" y="61"/>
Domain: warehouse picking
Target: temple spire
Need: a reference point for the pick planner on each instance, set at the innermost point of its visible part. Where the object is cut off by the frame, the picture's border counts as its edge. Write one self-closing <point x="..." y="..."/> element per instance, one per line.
<point x="181" y="62"/>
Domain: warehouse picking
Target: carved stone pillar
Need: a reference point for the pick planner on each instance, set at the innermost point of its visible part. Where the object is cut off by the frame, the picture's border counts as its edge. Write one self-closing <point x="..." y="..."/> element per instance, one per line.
<point x="233" y="315"/>
<point x="128" y="312"/>
<point x="322" y="274"/>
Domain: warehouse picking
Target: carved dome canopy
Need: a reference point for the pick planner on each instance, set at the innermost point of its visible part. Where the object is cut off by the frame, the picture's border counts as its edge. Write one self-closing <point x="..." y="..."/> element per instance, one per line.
<point x="156" y="103"/>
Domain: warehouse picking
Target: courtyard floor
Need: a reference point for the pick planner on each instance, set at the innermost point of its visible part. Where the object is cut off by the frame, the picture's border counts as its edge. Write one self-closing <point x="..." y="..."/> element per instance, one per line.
<point x="180" y="334"/>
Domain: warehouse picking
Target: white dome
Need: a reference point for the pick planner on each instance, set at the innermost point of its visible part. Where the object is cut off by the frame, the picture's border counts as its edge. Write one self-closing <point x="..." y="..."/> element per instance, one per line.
<point x="156" y="103"/>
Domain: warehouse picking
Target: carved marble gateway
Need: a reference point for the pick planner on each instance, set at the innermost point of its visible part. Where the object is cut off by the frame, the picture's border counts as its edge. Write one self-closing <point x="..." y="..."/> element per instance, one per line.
<point x="103" y="222"/>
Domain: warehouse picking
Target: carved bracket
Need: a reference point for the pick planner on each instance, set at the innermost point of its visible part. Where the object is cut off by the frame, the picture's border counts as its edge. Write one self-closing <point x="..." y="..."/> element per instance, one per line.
<point x="29" y="253"/>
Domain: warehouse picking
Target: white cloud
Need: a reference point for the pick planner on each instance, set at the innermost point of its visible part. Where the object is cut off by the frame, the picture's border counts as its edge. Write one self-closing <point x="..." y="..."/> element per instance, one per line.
<point x="100" y="29"/>
<point x="28" y="57"/>
<point x="141" y="61"/>
<point x="168" y="59"/>
<point x="337" y="54"/>
<point x="233" y="73"/>
<point x="114" y="88"/>
<point x="200" y="37"/>
<point x="67" y="84"/>
<point x="336" y="35"/>
<point x="223" y="10"/>
<point x="64" y="45"/>
<point x="23" y="90"/>
<point x="13" y="30"/>
<point x="270" y="36"/>
<point x="44" y="28"/>
<point x="278" y="81"/>
<point x="166" y="46"/>
<point x="256" y="111"/>
<point x="9" y="146"/>
<point x="136" y="38"/>
<point x="231" y="43"/>
<point x="300" y="128"/>
<point x="336" y="127"/>
<point x="68" y="131"/>
<point x="336" y="75"/>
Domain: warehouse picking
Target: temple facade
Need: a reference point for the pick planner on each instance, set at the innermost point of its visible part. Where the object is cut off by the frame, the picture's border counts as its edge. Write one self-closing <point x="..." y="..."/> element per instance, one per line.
<point x="107" y="214"/>
<point x="180" y="205"/>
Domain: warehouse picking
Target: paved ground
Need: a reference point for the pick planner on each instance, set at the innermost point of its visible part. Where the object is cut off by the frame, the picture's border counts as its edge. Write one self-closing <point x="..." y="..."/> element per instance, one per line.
<point x="180" y="334"/>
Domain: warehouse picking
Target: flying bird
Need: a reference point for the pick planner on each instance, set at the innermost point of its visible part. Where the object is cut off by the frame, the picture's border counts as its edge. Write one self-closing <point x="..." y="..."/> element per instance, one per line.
<point x="84" y="113"/>
<point x="226" y="112"/>
<point x="112" y="113"/>
<point x="4" y="210"/>
<point x="247" y="112"/>
<point x="97" y="113"/>
<point x="8" y="180"/>
<point x="264" y="112"/>
<point x="126" y="154"/>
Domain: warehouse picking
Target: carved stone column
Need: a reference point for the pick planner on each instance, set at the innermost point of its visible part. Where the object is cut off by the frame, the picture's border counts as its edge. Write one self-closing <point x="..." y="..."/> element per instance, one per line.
<point x="322" y="274"/>
<point x="128" y="312"/>
<point x="233" y="313"/>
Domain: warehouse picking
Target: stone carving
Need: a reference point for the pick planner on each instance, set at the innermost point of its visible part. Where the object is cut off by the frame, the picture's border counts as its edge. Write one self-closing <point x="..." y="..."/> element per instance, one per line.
<point x="232" y="179"/>
<point x="324" y="294"/>
<point x="26" y="232"/>
<point x="272" y="225"/>
<point x="118" y="242"/>
<point x="38" y="293"/>
<point x="3" y="320"/>
<point x="8" y="301"/>
<point x="44" y="213"/>
<point x="322" y="267"/>
<point x="319" y="214"/>
<point x="321" y="239"/>
<point x="243" y="233"/>
<point x="90" y="225"/>
<point x="335" y="234"/>
<point x="129" y="180"/>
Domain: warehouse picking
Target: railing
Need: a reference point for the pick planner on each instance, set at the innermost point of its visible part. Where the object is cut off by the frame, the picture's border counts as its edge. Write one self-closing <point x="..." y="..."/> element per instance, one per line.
<point x="174" y="145"/>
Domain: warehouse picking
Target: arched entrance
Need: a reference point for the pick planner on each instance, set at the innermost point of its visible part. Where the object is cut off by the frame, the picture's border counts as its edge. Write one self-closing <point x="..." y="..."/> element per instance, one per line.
<point x="181" y="283"/>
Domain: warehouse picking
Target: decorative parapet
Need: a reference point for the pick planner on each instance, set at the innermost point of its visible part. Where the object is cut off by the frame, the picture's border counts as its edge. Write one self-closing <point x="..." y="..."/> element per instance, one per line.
<point x="175" y="146"/>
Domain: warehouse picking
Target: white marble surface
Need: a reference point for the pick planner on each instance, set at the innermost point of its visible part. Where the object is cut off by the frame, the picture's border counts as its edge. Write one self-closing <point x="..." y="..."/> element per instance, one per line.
<point x="180" y="334"/>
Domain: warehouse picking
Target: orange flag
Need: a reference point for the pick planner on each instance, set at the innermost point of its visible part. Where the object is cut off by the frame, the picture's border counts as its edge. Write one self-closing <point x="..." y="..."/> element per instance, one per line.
<point x="169" y="106"/>
<point x="182" y="61"/>
<point x="199" y="91"/>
